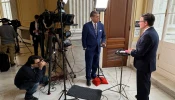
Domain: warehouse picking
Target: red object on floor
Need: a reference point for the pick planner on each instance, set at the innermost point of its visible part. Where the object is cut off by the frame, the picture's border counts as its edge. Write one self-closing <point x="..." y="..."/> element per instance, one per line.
<point x="99" y="80"/>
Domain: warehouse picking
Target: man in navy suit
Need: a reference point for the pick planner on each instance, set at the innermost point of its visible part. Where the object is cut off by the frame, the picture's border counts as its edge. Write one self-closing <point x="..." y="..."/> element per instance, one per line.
<point x="145" y="55"/>
<point x="93" y="37"/>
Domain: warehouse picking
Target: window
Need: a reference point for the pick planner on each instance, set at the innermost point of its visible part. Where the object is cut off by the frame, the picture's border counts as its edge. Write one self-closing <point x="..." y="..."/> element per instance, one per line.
<point x="6" y="9"/>
<point x="164" y="11"/>
<point x="170" y="23"/>
<point x="159" y="10"/>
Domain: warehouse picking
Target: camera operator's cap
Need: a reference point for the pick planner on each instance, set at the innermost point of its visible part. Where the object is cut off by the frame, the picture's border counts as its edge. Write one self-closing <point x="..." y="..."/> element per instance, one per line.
<point x="5" y="20"/>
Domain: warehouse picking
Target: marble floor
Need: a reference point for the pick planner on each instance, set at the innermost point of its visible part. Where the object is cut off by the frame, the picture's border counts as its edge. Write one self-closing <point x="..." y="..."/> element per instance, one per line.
<point x="75" y="55"/>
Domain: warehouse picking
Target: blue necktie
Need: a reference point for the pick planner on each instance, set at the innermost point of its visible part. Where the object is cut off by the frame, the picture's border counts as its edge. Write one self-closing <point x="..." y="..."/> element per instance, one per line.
<point x="95" y="27"/>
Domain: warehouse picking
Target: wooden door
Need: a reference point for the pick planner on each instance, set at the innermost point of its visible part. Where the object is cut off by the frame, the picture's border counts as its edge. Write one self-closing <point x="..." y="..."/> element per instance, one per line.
<point x="117" y="27"/>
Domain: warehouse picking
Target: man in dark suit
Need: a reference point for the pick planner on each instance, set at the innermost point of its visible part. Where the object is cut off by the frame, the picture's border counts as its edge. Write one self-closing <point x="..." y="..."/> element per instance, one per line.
<point x="145" y="55"/>
<point x="93" y="37"/>
<point x="37" y="36"/>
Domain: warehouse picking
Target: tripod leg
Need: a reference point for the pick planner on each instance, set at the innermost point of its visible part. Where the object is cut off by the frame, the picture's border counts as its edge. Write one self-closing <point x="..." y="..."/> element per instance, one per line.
<point x="25" y="44"/>
<point x="125" y="93"/>
<point x="61" y="95"/>
<point x="98" y="71"/>
<point x="102" y="72"/>
<point x="17" y="49"/>
<point x="42" y="44"/>
<point x="50" y="61"/>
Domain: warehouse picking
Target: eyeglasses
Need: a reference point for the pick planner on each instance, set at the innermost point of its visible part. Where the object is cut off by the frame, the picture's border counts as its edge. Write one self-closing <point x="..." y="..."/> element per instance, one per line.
<point x="141" y="21"/>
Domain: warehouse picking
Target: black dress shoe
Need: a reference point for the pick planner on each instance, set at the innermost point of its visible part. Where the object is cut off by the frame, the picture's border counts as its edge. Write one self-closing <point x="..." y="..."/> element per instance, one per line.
<point x="136" y="96"/>
<point x="88" y="83"/>
<point x="31" y="98"/>
<point x="35" y="98"/>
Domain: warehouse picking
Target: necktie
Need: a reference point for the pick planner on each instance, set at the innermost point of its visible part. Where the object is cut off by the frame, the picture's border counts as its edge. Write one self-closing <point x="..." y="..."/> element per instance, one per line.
<point x="95" y="27"/>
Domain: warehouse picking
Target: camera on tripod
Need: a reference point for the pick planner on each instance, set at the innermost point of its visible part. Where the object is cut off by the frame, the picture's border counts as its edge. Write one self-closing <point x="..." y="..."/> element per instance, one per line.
<point x="48" y="20"/>
<point x="15" y="23"/>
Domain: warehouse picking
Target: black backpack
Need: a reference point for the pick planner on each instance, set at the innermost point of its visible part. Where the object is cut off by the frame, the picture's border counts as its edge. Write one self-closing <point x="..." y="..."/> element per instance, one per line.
<point x="4" y="62"/>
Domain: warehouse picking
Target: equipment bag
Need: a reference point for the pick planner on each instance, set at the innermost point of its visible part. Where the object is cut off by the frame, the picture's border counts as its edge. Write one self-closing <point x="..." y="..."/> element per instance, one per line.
<point x="4" y="62"/>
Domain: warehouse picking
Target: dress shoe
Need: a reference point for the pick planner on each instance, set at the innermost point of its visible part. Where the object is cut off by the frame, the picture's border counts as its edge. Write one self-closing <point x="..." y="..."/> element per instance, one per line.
<point x="136" y="96"/>
<point x="88" y="83"/>
<point x="31" y="98"/>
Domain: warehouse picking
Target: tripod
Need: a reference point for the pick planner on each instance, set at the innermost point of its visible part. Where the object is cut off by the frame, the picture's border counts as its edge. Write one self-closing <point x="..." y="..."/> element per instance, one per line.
<point x="17" y="47"/>
<point x="17" y="41"/>
<point x="52" y="38"/>
<point x="22" y="42"/>
<point x="121" y="86"/>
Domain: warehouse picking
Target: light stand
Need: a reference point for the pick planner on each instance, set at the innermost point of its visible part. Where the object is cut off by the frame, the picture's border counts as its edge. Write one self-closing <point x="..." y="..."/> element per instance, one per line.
<point x="121" y="86"/>
<point x="100" y="6"/>
<point x="50" y="17"/>
<point x="60" y="6"/>
<point x="47" y="20"/>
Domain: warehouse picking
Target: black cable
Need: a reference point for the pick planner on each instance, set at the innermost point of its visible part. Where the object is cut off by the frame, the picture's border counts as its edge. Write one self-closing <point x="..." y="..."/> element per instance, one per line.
<point x="103" y="97"/>
<point x="73" y="57"/>
<point x="74" y="62"/>
<point x="128" y="79"/>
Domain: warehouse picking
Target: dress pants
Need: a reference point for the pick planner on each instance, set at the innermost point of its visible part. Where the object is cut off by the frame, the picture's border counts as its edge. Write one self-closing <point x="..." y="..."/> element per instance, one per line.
<point x="92" y="62"/>
<point x="36" y="43"/>
<point x="30" y="88"/>
<point x="11" y="53"/>
<point x="143" y="85"/>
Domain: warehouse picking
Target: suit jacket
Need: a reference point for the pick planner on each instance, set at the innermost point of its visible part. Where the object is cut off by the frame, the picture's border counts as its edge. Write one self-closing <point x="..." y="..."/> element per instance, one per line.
<point x="145" y="53"/>
<point x="32" y="28"/>
<point x="89" y="38"/>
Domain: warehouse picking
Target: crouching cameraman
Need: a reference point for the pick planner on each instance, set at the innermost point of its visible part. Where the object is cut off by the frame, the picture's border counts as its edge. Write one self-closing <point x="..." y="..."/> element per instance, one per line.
<point x="30" y="76"/>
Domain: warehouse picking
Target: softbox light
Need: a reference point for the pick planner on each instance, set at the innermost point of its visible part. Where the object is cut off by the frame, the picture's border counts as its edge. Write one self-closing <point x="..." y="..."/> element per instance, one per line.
<point x="65" y="1"/>
<point x="101" y="5"/>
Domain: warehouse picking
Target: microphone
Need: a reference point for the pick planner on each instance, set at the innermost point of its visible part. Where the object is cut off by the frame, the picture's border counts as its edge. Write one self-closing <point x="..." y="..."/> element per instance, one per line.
<point x="121" y="52"/>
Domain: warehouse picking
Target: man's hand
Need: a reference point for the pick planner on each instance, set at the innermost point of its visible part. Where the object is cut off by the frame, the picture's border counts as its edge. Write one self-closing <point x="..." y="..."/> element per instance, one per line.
<point x="35" y="31"/>
<point x="128" y="51"/>
<point x="42" y="63"/>
<point x="103" y="44"/>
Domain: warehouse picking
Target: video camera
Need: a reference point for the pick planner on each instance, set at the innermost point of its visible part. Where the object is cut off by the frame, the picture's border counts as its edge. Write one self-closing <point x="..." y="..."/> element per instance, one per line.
<point x="14" y="23"/>
<point x="48" y="18"/>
